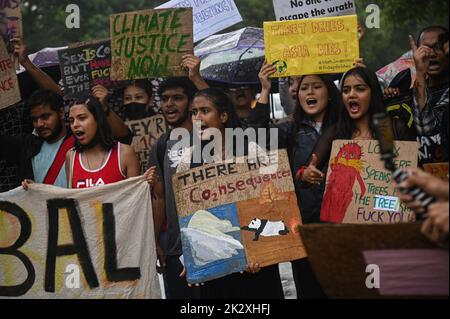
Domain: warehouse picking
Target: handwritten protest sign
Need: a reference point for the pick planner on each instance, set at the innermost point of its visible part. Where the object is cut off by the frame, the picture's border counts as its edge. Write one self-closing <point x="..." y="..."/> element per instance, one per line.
<point x="306" y="9"/>
<point x="210" y="16"/>
<point x="150" y="43"/>
<point x="10" y="20"/>
<point x="84" y="67"/>
<point x="146" y="132"/>
<point x="437" y="169"/>
<point x="312" y="46"/>
<point x="64" y="243"/>
<point x="359" y="189"/>
<point x="235" y="213"/>
<point x="9" y="85"/>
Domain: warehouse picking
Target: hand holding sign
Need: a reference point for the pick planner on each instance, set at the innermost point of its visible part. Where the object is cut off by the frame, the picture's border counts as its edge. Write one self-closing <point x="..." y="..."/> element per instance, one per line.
<point x="422" y="55"/>
<point x="20" y="50"/>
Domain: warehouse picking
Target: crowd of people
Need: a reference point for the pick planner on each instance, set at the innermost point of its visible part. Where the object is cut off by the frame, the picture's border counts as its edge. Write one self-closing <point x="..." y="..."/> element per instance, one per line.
<point x="92" y="146"/>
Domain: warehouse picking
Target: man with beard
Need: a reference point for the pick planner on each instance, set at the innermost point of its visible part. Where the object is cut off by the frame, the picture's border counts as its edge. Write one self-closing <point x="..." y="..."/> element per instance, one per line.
<point x="40" y="156"/>
<point x="430" y="90"/>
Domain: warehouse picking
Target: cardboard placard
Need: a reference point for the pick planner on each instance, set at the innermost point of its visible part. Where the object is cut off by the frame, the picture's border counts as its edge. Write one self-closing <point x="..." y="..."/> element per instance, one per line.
<point x="84" y="67"/>
<point x="359" y="189"/>
<point x="234" y="213"/>
<point x="77" y="243"/>
<point x="9" y="85"/>
<point x="210" y="16"/>
<point x="301" y="9"/>
<point x="146" y="132"/>
<point x="438" y="170"/>
<point x="312" y="46"/>
<point x="336" y="253"/>
<point x="150" y="43"/>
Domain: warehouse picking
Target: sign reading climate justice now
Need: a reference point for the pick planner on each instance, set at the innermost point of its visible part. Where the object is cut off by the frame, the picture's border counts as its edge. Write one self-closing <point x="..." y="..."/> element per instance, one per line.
<point x="96" y="243"/>
<point x="312" y="46"/>
<point x="9" y="85"/>
<point x="145" y="133"/>
<point x="210" y="16"/>
<point x="359" y="189"/>
<point x="150" y="43"/>
<point x="306" y="9"/>
<point x="83" y="67"/>
<point x="235" y="213"/>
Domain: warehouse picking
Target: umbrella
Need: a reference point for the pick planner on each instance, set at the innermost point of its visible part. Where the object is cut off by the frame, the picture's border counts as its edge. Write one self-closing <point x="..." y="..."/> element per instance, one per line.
<point x="45" y="58"/>
<point x="232" y="58"/>
<point x="390" y="71"/>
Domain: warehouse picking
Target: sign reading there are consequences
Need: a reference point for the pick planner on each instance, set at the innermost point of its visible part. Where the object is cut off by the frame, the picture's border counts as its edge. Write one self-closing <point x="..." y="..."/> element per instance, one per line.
<point x="312" y="46"/>
<point x="150" y="43"/>
<point x="232" y="214"/>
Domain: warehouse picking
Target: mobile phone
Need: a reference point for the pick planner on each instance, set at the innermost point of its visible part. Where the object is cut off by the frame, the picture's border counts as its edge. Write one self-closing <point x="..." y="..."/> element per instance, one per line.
<point x="385" y="134"/>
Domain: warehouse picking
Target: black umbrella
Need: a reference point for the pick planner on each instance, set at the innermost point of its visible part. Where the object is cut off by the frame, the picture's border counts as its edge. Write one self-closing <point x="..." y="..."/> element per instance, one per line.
<point x="232" y="58"/>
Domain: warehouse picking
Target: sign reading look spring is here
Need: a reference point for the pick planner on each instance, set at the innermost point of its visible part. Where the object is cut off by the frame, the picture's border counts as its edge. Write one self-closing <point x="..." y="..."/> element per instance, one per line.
<point x="73" y="244"/>
<point x="359" y="189"/>
<point x="150" y="43"/>
<point x="312" y="46"/>
<point x="237" y="213"/>
<point x="9" y="85"/>
<point x="307" y="9"/>
<point x="84" y="67"/>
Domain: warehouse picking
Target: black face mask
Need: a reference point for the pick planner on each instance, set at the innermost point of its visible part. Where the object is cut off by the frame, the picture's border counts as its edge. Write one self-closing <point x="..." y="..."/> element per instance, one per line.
<point x="135" y="111"/>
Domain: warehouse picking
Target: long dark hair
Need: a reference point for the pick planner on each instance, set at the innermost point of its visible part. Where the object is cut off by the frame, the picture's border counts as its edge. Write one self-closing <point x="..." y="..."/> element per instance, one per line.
<point x="104" y="135"/>
<point x="333" y="107"/>
<point x="223" y="103"/>
<point x="346" y="126"/>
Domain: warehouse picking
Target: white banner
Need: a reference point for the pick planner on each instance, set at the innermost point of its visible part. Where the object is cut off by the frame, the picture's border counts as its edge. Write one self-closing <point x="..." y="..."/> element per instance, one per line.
<point x="307" y="9"/>
<point x="210" y="16"/>
<point x="93" y="243"/>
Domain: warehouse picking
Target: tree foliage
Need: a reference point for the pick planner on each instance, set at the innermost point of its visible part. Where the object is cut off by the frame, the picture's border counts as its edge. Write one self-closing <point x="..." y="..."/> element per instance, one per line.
<point x="44" y="22"/>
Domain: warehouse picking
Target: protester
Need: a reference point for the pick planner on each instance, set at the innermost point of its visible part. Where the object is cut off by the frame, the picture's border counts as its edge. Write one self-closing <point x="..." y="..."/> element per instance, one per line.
<point x="176" y="98"/>
<point x="431" y="88"/>
<point x="317" y="106"/>
<point x="436" y="225"/>
<point x="137" y="100"/>
<point x="96" y="159"/>
<point x="214" y="112"/>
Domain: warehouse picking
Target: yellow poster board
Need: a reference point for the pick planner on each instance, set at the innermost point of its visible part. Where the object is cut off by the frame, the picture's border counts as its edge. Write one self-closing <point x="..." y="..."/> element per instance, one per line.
<point x="312" y="46"/>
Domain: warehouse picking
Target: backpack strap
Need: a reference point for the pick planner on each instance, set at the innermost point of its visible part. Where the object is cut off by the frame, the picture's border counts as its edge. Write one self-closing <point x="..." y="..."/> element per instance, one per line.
<point x="59" y="160"/>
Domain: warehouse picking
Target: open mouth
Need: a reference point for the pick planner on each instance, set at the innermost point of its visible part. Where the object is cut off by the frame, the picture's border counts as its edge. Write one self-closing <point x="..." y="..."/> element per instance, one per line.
<point x="311" y="102"/>
<point x="171" y="113"/>
<point x="354" y="107"/>
<point x="80" y="135"/>
<point x="434" y="65"/>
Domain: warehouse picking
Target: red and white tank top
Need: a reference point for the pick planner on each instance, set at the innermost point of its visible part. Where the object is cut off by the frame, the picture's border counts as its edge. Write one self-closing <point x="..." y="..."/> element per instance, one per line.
<point x="109" y="173"/>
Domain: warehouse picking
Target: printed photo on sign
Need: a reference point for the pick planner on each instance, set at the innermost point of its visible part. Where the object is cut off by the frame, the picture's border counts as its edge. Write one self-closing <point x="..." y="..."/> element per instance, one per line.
<point x="359" y="189"/>
<point x="236" y="213"/>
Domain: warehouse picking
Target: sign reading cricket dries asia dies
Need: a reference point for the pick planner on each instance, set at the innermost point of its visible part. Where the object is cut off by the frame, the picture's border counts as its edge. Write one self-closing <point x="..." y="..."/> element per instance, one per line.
<point x="234" y="214"/>
<point x="84" y="67"/>
<point x="312" y="46"/>
<point x="359" y="189"/>
<point x="150" y="43"/>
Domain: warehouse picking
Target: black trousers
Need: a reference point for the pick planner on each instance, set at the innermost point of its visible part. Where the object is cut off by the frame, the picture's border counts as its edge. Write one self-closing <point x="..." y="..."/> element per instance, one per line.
<point x="306" y="283"/>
